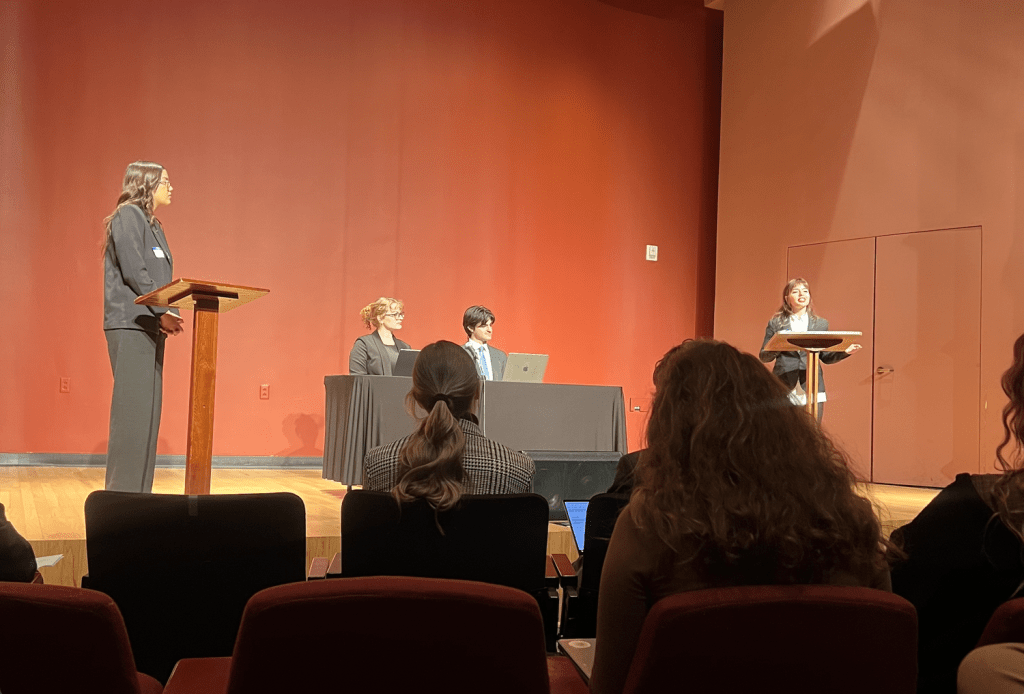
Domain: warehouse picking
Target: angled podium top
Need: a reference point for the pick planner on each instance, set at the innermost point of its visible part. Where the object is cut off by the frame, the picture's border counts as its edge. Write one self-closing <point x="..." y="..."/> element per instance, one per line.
<point x="182" y="293"/>
<point x="812" y="341"/>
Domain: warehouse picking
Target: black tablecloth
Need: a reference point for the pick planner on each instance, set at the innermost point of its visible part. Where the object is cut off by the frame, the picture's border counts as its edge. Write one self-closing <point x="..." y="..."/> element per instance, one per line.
<point x="363" y="412"/>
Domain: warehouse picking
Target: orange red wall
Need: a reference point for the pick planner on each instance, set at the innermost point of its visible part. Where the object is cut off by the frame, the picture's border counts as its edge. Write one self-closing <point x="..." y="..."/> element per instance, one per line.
<point x="517" y="155"/>
<point x="845" y="119"/>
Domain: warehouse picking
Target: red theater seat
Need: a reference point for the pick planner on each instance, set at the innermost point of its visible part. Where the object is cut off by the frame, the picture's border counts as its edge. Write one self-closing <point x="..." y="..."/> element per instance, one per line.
<point x="795" y="639"/>
<point x="384" y="634"/>
<point x="1006" y="624"/>
<point x="62" y="639"/>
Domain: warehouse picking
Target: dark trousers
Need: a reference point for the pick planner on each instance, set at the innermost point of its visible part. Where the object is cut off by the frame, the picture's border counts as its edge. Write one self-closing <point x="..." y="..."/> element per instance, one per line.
<point x="137" y="360"/>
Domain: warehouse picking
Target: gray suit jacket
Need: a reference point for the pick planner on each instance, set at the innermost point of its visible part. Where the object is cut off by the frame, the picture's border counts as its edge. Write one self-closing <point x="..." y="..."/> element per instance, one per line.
<point x="497" y="357"/>
<point x="791" y="367"/>
<point x="370" y="356"/>
<point x="138" y="260"/>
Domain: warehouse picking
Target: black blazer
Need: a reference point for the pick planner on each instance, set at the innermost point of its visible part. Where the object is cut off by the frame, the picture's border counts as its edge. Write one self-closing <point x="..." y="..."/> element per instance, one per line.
<point x="138" y="260"/>
<point x="370" y="356"/>
<point x="791" y="367"/>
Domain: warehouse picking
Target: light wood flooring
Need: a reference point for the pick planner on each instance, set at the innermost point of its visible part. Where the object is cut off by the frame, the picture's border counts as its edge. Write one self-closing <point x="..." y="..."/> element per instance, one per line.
<point x="45" y="505"/>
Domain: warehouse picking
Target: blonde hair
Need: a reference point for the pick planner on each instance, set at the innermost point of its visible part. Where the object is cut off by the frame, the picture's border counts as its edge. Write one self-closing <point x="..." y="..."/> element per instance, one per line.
<point x="372" y="313"/>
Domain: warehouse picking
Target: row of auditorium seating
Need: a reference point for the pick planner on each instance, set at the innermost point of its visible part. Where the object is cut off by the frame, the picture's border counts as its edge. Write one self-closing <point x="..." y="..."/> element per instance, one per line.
<point x="400" y="634"/>
<point x="380" y="634"/>
<point x="187" y="571"/>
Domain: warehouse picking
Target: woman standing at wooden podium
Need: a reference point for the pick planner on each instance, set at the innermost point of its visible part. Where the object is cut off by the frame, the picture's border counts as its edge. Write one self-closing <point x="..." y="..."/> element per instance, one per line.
<point x="136" y="260"/>
<point x="797" y="315"/>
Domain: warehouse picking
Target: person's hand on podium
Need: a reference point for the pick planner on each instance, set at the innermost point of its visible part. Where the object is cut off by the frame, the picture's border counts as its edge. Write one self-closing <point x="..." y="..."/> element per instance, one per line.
<point x="852" y="348"/>
<point x="170" y="324"/>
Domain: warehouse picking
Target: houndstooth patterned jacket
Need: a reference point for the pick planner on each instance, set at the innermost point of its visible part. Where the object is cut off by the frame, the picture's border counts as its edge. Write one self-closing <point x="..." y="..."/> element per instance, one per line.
<point x="490" y="467"/>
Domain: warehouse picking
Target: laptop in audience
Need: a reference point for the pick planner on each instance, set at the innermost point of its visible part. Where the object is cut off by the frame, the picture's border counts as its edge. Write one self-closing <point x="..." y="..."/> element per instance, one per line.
<point x="577" y="513"/>
<point x="406" y="358"/>
<point x="525" y="368"/>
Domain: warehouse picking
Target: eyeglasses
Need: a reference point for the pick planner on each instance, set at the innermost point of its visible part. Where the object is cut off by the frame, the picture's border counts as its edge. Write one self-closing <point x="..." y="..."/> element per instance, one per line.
<point x="164" y="182"/>
<point x="396" y="315"/>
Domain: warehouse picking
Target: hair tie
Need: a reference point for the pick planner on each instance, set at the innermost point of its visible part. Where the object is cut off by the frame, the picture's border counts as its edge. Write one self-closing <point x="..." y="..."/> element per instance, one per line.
<point x="442" y="397"/>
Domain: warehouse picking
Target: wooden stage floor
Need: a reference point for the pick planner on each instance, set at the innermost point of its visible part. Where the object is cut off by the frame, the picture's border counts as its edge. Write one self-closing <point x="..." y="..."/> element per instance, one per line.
<point x="45" y="505"/>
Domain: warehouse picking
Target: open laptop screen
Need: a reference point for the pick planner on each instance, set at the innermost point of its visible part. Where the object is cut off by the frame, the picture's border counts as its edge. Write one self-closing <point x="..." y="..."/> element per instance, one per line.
<point x="577" y="512"/>
<point x="406" y="359"/>
<point x="525" y="368"/>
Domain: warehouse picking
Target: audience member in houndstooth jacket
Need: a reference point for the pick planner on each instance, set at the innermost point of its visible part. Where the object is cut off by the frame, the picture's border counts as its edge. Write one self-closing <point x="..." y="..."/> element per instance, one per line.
<point x="447" y="456"/>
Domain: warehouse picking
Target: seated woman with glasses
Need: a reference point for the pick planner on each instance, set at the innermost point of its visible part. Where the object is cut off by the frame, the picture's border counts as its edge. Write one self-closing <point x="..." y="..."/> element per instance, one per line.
<point x="736" y="487"/>
<point x="375" y="354"/>
<point x="447" y="456"/>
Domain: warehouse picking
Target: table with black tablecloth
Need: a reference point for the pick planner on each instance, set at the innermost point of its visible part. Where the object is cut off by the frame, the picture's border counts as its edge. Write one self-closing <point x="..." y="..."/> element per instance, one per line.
<point x="363" y="412"/>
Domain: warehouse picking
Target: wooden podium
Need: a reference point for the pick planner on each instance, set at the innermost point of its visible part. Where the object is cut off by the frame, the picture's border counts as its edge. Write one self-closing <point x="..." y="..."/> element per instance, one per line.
<point x="814" y="343"/>
<point x="208" y="300"/>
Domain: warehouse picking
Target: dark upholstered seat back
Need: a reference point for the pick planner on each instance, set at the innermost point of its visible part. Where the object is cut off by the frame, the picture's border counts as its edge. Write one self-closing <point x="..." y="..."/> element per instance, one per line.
<point x="498" y="539"/>
<point x="181" y="568"/>
<point x="602" y="512"/>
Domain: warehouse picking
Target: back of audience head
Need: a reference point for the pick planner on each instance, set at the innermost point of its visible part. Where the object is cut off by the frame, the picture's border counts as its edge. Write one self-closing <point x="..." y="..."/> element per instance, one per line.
<point x="1009" y="489"/>
<point x="446" y="386"/>
<point x="741" y="482"/>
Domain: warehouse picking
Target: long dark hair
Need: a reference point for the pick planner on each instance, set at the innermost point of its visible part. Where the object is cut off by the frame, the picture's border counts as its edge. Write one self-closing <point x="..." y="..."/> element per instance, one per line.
<point x="1008" y="491"/>
<point x="141" y="178"/>
<point x="445" y="384"/>
<point x="743" y="484"/>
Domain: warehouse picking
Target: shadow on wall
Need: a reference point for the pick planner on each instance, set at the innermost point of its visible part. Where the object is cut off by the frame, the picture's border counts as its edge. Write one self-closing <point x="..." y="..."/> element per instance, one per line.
<point x="808" y="132"/>
<point x="305" y="434"/>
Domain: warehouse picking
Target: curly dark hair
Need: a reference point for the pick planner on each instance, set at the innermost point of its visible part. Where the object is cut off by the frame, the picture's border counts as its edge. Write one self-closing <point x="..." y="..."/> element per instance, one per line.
<point x="1008" y="492"/>
<point x="744" y="484"/>
<point x="141" y="178"/>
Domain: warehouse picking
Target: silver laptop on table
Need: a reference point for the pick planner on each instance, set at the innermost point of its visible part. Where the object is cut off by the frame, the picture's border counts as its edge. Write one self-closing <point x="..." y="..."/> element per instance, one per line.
<point x="525" y="368"/>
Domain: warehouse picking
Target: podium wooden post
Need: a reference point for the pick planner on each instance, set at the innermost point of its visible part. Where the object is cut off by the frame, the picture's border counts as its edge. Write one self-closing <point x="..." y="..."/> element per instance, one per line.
<point x="813" y="342"/>
<point x="208" y="300"/>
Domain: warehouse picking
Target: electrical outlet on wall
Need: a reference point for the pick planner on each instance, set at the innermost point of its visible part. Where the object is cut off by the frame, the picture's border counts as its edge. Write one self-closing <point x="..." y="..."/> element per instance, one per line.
<point x="265" y="391"/>
<point x="652" y="253"/>
<point x="65" y="384"/>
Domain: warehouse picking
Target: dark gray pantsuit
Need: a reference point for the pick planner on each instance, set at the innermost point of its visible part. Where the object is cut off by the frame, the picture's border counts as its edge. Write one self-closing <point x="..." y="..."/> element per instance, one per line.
<point x="137" y="362"/>
<point x="137" y="261"/>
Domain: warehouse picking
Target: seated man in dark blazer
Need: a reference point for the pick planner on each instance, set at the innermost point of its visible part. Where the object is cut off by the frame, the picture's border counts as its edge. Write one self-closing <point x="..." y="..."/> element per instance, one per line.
<point x="17" y="560"/>
<point x="478" y="322"/>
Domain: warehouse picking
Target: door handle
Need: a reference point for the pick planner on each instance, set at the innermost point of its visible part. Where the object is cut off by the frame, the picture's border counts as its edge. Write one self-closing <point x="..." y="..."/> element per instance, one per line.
<point x="883" y="370"/>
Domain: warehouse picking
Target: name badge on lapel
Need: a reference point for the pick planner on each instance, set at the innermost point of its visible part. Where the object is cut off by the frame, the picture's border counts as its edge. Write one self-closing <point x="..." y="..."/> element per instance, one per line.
<point x="159" y="252"/>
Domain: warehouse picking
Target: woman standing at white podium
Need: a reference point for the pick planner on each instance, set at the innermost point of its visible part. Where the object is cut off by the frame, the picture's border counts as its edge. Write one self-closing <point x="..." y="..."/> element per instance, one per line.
<point x="136" y="260"/>
<point x="797" y="315"/>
